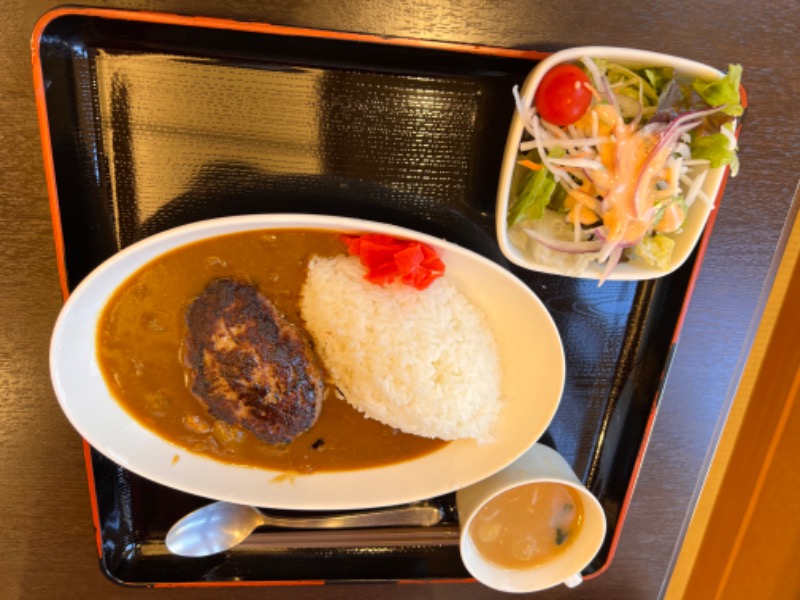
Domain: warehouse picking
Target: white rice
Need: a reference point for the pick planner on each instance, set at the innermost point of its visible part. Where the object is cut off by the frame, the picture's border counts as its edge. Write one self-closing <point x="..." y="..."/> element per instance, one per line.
<point x="425" y="362"/>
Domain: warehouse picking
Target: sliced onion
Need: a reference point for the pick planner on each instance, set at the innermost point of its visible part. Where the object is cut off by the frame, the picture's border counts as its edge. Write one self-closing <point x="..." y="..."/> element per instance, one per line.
<point x="601" y="82"/>
<point x="538" y="138"/>
<point x="732" y="141"/>
<point x="564" y="143"/>
<point x="600" y="234"/>
<point x="695" y="188"/>
<point x="567" y="246"/>
<point x="682" y="149"/>
<point x="580" y="163"/>
<point x="554" y="130"/>
<point x="524" y="111"/>
<point x="613" y="261"/>
<point x="679" y="126"/>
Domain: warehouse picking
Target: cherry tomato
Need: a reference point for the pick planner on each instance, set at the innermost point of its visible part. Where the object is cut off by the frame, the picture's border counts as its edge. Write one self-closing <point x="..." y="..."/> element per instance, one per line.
<point x="561" y="98"/>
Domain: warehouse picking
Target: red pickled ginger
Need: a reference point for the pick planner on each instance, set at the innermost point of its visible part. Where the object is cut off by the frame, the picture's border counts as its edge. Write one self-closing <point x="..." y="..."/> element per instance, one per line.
<point x="387" y="259"/>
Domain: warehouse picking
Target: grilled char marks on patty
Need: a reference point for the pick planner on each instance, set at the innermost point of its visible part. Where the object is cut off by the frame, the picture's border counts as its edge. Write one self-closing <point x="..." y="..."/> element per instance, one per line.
<point x="249" y="365"/>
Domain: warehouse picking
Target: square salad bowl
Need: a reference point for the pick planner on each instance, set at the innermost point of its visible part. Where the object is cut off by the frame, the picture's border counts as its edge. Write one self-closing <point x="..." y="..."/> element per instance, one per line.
<point x="641" y="176"/>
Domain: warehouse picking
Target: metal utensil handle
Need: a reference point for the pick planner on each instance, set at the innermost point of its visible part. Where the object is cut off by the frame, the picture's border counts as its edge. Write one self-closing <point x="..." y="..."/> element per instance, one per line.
<point x="410" y="515"/>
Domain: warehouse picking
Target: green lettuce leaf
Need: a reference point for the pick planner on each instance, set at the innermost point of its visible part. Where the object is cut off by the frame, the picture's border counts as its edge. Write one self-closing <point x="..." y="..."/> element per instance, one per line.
<point x="723" y="91"/>
<point x="537" y="190"/>
<point x="658" y="77"/>
<point x="713" y="148"/>
<point x="533" y="197"/>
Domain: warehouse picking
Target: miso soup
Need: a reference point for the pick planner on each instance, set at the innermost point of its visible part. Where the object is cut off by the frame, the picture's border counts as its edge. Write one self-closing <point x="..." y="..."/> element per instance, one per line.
<point x="528" y="525"/>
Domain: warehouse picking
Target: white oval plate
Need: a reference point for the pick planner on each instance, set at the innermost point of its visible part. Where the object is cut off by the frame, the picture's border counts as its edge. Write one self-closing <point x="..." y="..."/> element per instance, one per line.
<point x="532" y="359"/>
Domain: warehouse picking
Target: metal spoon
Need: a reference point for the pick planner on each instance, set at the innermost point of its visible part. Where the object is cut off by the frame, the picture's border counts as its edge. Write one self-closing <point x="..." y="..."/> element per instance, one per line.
<point x="222" y="525"/>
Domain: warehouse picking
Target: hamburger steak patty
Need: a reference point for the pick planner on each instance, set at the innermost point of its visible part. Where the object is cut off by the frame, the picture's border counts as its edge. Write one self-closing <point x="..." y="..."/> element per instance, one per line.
<point x="249" y="366"/>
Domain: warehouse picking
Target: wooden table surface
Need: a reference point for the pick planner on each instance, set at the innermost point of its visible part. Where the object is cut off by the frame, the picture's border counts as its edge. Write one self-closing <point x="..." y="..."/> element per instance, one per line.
<point x="47" y="548"/>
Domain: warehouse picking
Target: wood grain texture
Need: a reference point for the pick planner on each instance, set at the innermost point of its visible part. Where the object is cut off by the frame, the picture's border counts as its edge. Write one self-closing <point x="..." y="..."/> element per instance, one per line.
<point x="756" y="465"/>
<point x="690" y="559"/>
<point x="48" y="550"/>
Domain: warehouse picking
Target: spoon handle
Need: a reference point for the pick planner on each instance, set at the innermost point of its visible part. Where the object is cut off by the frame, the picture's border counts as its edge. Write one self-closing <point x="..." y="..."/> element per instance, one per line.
<point x="421" y="515"/>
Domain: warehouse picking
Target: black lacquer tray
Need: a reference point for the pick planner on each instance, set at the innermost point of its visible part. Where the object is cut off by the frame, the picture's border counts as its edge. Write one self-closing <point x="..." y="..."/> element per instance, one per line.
<point x="150" y="121"/>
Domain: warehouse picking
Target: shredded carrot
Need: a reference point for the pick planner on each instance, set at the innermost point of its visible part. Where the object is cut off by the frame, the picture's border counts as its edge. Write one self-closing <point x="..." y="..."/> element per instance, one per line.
<point x="530" y="164"/>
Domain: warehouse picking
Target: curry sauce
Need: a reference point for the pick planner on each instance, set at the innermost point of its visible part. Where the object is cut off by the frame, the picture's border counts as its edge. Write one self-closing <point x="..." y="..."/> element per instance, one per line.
<point x="140" y="345"/>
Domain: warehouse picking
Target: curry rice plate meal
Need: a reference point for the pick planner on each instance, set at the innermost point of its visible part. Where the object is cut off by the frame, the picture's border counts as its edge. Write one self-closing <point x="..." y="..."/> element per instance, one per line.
<point x="264" y="348"/>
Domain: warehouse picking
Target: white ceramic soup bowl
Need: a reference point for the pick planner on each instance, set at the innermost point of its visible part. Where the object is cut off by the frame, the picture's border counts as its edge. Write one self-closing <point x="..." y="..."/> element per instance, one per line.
<point x="540" y="464"/>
